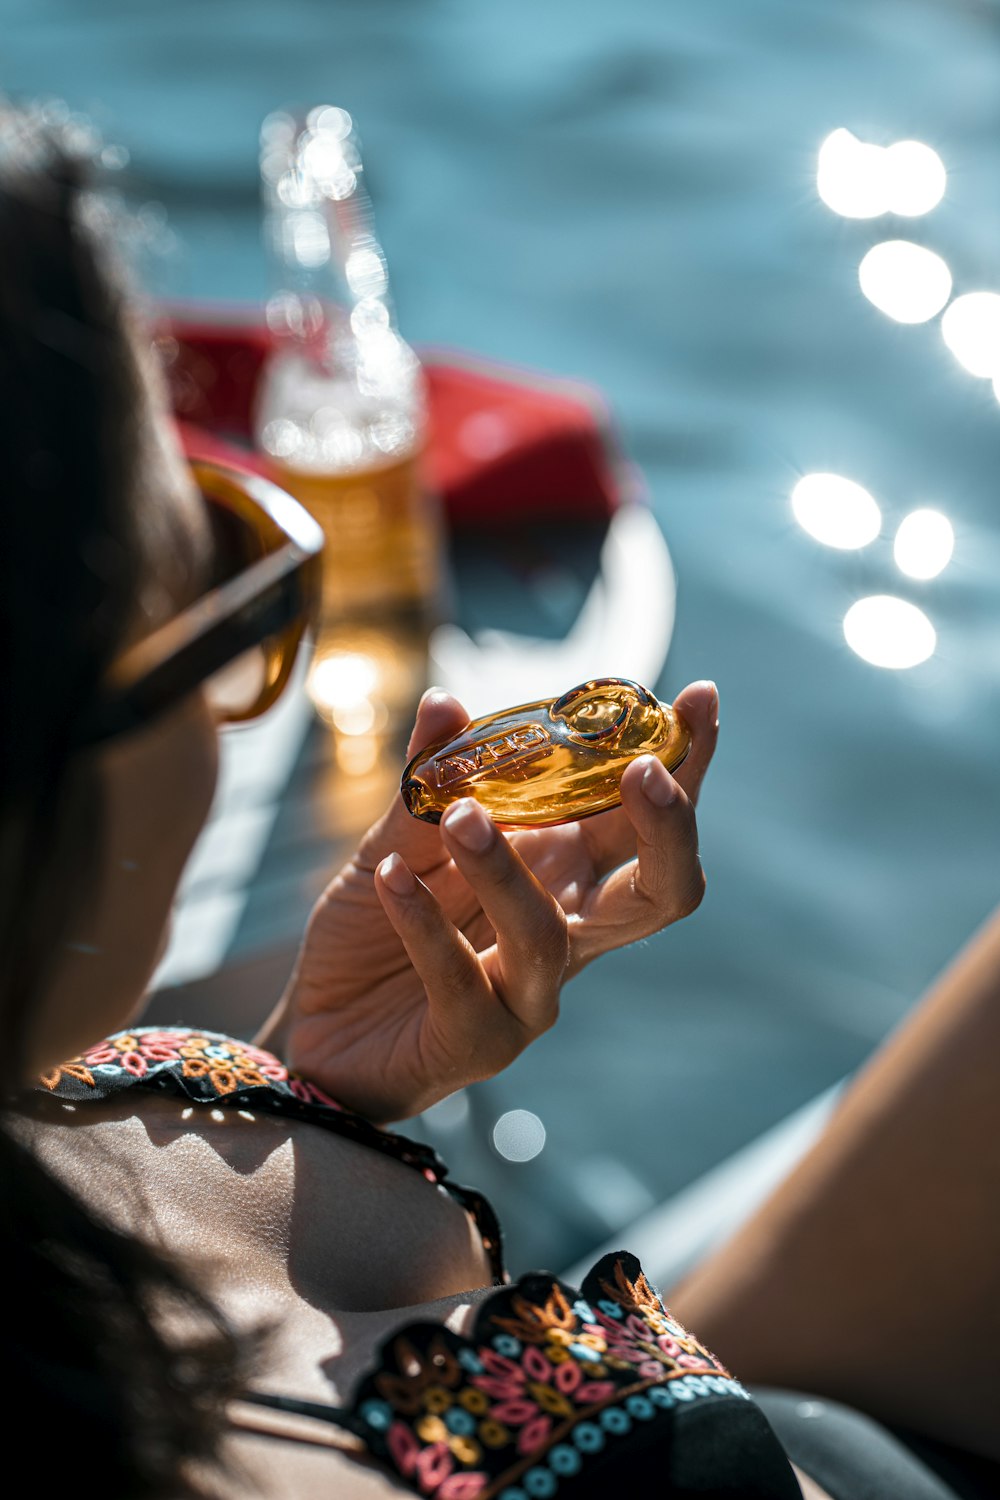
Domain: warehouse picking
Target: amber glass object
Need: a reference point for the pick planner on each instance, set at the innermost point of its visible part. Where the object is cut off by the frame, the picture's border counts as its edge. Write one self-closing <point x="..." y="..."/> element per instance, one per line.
<point x="548" y="762"/>
<point x="340" y="416"/>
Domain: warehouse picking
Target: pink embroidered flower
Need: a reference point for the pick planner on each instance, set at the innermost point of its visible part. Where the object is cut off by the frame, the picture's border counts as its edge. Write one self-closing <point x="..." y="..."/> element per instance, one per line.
<point x="100" y="1055"/>
<point x="463" y="1487"/>
<point x="533" y="1434"/>
<point x="432" y="1467"/>
<point x="159" y="1052"/>
<point x="310" y="1093"/>
<point x="534" y="1389"/>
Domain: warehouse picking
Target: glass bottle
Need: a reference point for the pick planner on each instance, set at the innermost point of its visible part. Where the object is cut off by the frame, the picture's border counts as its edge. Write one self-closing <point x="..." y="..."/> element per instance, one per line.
<point x="340" y="413"/>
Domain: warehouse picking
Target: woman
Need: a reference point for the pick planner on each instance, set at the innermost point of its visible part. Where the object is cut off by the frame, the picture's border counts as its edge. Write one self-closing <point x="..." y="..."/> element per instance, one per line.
<point x="272" y="1295"/>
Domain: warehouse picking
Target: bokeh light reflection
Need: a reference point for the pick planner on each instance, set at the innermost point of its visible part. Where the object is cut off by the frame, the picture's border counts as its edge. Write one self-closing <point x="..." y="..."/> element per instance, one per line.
<point x="924" y="543"/>
<point x="862" y="181"/>
<point x="915" y="178"/>
<point x="889" y="632"/>
<point x="971" y="329"/>
<point x="905" y="281"/>
<point x="519" y="1135"/>
<point x="836" y="511"/>
<point x="850" y="176"/>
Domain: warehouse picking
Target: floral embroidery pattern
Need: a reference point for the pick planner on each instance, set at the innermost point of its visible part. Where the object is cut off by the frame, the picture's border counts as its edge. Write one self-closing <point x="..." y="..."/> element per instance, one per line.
<point x="548" y="1378"/>
<point x="209" y="1068"/>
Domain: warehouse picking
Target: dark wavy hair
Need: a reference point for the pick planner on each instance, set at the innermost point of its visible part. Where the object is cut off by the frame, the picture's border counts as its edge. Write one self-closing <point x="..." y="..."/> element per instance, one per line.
<point x="83" y="1324"/>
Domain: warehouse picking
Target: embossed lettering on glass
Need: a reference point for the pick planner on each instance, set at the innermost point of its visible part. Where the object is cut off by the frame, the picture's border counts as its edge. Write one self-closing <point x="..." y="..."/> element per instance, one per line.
<point x="547" y="762"/>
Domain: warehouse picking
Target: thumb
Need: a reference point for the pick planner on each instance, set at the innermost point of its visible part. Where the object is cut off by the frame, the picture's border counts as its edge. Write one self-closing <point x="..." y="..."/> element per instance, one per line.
<point x="439" y="716"/>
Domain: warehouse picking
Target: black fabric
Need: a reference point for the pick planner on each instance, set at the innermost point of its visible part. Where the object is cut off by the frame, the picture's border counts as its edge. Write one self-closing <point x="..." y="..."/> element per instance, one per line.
<point x="563" y="1393"/>
<point x="855" y="1458"/>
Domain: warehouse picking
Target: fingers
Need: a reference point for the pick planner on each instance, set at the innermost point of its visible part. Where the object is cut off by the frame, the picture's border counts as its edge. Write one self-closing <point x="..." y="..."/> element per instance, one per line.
<point x="531" y="941"/>
<point x="446" y="964"/>
<point x="439" y="716"/>
<point x="698" y="705"/>
<point x="525" y="969"/>
<point x="612" y="837"/>
<point x="665" y="881"/>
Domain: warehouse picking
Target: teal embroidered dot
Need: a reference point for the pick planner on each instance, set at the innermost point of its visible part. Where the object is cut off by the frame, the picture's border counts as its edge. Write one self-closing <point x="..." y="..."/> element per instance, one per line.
<point x="695" y="1384"/>
<point x="470" y="1362"/>
<point x="639" y="1406"/>
<point x="220" y="1052"/>
<point x="615" y="1420"/>
<point x="512" y="1493"/>
<point x="610" y="1309"/>
<point x="505" y="1343"/>
<point x="584" y="1352"/>
<point x="540" y="1483"/>
<point x="661" y="1396"/>
<point x="588" y="1437"/>
<point x="564" y="1459"/>
<point x="583" y="1310"/>
<point x="377" y="1414"/>
<point x="717" y="1384"/>
<point x="680" y="1390"/>
<point x="460" y="1421"/>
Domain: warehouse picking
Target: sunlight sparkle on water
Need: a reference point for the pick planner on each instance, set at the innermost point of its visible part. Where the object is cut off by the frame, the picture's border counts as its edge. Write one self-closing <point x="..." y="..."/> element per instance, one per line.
<point x="862" y="181"/>
<point x="889" y="632"/>
<point x="971" y="329"/>
<point x="905" y="281"/>
<point x="924" y="543"/>
<point x="836" y="511"/>
<point x="916" y="178"/>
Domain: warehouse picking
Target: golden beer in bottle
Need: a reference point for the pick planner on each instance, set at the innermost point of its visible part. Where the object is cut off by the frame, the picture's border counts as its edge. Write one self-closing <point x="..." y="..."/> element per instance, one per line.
<point x="547" y="762"/>
<point x="340" y="414"/>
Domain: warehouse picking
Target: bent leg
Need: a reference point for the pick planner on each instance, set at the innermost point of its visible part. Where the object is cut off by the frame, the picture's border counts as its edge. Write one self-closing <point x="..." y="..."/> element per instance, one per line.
<point x="872" y="1274"/>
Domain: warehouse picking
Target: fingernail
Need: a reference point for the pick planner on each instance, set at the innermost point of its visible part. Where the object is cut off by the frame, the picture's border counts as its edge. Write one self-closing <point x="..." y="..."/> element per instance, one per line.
<point x="470" y="826"/>
<point x="431" y="693"/>
<point x="395" y="873"/>
<point x="658" y="786"/>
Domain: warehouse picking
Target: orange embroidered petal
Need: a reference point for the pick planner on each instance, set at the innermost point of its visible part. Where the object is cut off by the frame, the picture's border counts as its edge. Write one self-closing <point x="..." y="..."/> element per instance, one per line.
<point x="533" y="1322"/>
<point x="475" y="1401"/>
<point x="223" y="1080"/>
<point x="195" y="1067"/>
<point x="80" y="1072"/>
<point x="550" y="1400"/>
<point x="251" y="1078"/>
<point x="432" y="1430"/>
<point x="465" y="1449"/>
<point x="49" y="1080"/>
<point x="635" y="1296"/>
<point x="493" y="1434"/>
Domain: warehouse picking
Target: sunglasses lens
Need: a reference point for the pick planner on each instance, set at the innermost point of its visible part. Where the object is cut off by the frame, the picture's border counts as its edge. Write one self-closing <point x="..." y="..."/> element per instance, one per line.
<point x="248" y="685"/>
<point x="235" y="692"/>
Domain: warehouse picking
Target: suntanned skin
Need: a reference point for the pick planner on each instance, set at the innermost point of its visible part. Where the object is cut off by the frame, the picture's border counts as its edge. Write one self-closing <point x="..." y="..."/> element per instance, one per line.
<point x="327" y="1243"/>
<point x="875" y="1267"/>
<point x="433" y="959"/>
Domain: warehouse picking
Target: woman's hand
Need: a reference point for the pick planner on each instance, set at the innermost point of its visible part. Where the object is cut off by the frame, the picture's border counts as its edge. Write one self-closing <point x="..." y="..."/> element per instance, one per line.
<point x="438" y="954"/>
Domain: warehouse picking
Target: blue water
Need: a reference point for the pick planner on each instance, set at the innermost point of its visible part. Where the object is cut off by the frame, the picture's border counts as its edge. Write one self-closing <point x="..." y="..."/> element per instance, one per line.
<point x="626" y="193"/>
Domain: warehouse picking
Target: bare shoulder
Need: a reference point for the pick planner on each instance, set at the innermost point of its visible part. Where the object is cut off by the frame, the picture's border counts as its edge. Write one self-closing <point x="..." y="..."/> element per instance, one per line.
<point x="276" y="1468"/>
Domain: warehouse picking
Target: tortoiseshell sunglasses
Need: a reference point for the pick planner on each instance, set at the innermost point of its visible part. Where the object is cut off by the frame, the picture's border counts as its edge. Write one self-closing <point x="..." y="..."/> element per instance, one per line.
<point x="241" y="637"/>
